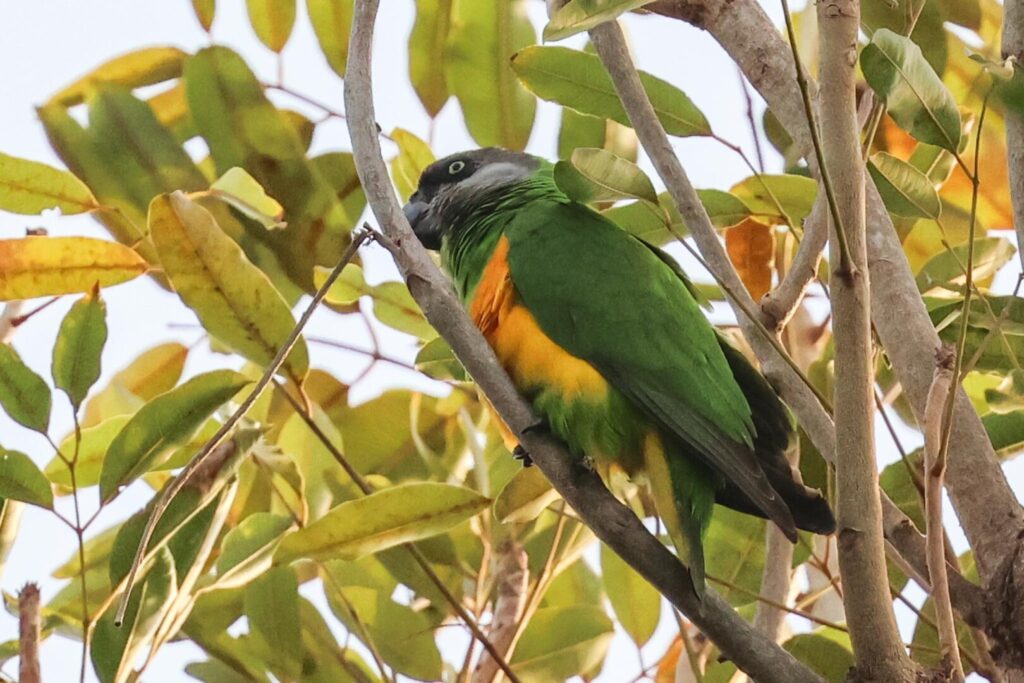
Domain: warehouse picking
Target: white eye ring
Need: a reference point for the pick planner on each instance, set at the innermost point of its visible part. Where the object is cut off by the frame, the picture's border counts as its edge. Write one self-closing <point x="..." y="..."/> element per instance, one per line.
<point x="456" y="166"/>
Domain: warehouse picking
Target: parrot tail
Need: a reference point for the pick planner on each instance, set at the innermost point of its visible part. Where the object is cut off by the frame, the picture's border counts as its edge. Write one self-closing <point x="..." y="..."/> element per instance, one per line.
<point x="683" y="491"/>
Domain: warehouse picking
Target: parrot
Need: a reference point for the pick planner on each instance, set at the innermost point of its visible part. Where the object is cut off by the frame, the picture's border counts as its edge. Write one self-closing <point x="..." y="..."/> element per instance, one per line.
<point x="604" y="336"/>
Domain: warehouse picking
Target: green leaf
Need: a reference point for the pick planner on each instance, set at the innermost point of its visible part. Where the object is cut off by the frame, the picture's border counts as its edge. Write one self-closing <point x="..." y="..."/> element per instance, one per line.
<point x="384" y="519"/>
<point x="403" y="636"/>
<point x="24" y="395"/>
<point x="349" y="286"/>
<point x="578" y="80"/>
<point x="734" y="551"/>
<point x="272" y="20"/>
<point x="114" y="647"/>
<point x="32" y="267"/>
<point x="637" y="603"/>
<point x="414" y="155"/>
<point x="332" y="23"/>
<point x="778" y="198"/>
<point x="91" y="451"/>
<point x="339" y="171"/>
<point x="482" y="39"/>
<point x="76" y="354"/>
<point x="29" y="187"/>
<point x="395" y="307"/>
<point x="132" y="70"/>
<point x="906" y="191"/>
<point x="20" y="479"/>
<point x="155" y="371"/>
<point x="249" y="547"/>
<point x="242" y="191"/>
<point x="946" y="269"/>
<point x="562" y="642"/>
<point x="824" y="655"/>
<point x="982" y="331"/>
<point x="1009" y="395"/>
<point x="272" y="607"/>
<point x="524" y="497"/>
<point x="243" y="128"/>
<point x="577" y="16"/>
<point x="166" y="421"/>
<point x="913" y="93"/>
<point x="427" y="53"/>
<point x="234" y="300"/>
<point x="597" y="175"/>
<point x="436" y="359"/>
<point x="205" y="10"/>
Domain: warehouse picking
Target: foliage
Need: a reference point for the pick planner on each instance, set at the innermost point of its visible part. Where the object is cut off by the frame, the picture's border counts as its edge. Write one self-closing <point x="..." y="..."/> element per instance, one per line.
<point x="390" y="510"/>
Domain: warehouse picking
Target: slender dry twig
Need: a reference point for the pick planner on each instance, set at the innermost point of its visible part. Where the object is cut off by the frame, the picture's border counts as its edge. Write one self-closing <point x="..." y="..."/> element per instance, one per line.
<point x="611" y="521"/>
<point x="935" y="468"/>
<point x="7" y="320"/>
<point x="513" y="578"/>
<point x="28" y="634"/>
<point x="161" y="504"/>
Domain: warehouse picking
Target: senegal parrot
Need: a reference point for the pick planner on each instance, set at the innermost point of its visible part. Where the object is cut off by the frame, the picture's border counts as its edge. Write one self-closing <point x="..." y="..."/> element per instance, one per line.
<point x="603" y="334"/>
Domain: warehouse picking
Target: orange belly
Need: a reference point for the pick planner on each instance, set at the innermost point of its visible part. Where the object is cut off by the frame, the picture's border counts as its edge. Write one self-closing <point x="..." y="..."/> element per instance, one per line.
<point x="530" y="357"/>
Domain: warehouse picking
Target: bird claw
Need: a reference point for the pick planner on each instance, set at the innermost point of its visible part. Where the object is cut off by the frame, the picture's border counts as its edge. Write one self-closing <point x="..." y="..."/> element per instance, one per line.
<point x="519" y="453"/>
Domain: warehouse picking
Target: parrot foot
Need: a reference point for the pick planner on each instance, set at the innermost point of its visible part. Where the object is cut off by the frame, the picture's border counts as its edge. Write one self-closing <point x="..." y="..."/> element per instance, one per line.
<point x="519" y="453"/>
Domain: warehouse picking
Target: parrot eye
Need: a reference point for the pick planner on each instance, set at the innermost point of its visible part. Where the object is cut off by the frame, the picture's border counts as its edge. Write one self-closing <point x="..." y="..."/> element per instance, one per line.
<point x="456" y="167"/>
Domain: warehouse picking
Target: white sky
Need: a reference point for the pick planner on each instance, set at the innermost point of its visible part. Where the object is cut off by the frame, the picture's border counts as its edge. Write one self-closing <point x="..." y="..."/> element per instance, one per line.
<point x="48" y="43"/>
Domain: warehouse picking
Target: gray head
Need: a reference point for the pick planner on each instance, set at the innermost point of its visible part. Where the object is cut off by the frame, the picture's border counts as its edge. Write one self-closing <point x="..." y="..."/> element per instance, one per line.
<point x="451" y="185"/>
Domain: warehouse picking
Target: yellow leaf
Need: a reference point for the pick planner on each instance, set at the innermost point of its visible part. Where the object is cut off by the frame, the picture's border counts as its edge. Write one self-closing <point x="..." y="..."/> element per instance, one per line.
<point x="51" y="266"/>
<point x="135" y="69"/>
<point x="272" y="20"/>
<point x="240" y="190"/>
<point x="29" y="187"/>
<point x="414" y="155"/>
<point x="235" y="301"/>
<point x="751" y="245"/>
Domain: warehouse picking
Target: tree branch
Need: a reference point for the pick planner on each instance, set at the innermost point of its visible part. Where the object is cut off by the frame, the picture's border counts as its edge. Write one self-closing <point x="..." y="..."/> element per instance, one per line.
<point x="986" y="506"/>
<point x="876" y="642"/>
<point x="1013" y="46"/>
<point x="934" y="469"/>
<point x="611" y="521"/>
<point x="28" y="634"/>
<point x="513" y="577"/>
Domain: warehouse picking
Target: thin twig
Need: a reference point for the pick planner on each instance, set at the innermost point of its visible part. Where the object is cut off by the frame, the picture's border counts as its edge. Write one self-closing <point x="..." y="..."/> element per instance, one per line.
<point x="846" y="264"/>
<point x="935" y="468"/>
<point x="161" y="504"/>
<point x="28" y="634"/>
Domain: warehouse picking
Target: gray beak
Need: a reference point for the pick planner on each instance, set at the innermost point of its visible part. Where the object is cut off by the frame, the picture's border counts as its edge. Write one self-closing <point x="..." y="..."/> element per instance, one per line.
<point x="425" y="225"/>
<point x="414" y="211"/>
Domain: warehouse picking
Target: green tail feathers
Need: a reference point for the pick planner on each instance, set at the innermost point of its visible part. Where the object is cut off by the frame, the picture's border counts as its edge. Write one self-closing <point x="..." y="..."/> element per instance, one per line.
<point x="684" y="495"/>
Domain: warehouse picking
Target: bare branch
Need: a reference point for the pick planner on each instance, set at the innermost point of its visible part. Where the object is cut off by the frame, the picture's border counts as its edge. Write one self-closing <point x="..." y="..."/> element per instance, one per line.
<point x="28" y="634"/>
<point x="935" y="468"/>
<point x="776" y="581"/>
<point x="512" y="579"/>
<point x="612" y="522"/>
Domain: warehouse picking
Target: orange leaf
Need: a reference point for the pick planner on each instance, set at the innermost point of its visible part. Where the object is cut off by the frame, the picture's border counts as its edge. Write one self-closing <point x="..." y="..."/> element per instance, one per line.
<point x="751" y="246"/>
<point x="667" y="666"/>
<point x="51" y="266"/>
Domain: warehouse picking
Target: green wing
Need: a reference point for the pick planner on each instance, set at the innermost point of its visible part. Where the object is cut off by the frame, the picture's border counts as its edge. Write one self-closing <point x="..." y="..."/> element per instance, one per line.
<point x="610" y="299"/>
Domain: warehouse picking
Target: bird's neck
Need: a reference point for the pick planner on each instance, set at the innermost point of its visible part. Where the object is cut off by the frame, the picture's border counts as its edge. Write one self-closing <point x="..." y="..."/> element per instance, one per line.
<point x="474" y="229"/>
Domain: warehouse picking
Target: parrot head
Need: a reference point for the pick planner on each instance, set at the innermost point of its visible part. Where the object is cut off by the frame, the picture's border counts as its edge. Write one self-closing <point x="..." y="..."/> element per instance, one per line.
<point x="454" y="186"/>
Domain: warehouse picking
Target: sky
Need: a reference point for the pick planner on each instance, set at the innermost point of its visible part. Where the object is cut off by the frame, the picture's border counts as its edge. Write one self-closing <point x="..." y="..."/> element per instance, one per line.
<point x="46" y="44"/>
